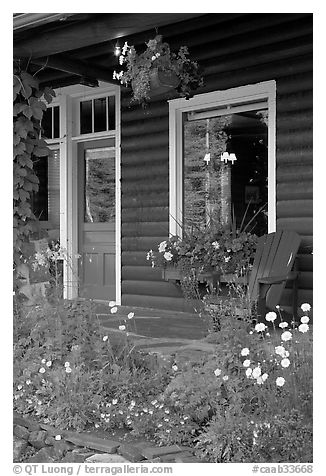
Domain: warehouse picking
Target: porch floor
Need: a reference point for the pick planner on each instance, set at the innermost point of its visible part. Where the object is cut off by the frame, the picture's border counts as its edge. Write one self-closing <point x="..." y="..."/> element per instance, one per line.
<point x="158" y="331"/>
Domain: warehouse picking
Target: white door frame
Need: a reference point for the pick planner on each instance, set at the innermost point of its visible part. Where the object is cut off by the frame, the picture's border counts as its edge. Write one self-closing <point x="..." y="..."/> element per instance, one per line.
<point x="255" y="92"/>
<point x="69" y="98"/>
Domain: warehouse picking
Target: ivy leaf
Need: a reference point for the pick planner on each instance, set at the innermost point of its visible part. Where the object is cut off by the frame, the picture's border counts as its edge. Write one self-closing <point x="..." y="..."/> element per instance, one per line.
<point x="28" y="112"/>
<point x="30" y="143"/>
<point x="21" y="171"/>
<point x="28" y="186"/>
<point x="29" y="82"/>
<point x="18" y="108"/>
<point x="23" y="195"/>
<point x="19" y="149"/>
<point x="17" y="86"/>
<point x="33" y="178"/>
<point x="16" y="139"/>
<point x="37" y="107"/>
<point x="49" y="94"/>
<point x="24" y="160"/>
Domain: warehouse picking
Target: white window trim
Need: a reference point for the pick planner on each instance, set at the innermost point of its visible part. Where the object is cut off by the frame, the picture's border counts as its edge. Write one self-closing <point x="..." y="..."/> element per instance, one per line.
<point x="68" y="97"/>
<point x="261" y="91"/>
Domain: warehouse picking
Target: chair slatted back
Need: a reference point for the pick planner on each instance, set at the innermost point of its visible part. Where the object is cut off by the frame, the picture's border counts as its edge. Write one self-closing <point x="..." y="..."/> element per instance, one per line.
<point x="274" y="256"/>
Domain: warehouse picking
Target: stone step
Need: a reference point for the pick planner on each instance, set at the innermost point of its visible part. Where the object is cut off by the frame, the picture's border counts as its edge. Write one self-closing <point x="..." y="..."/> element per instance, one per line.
<point x="93" y="442"/>
<point x="106" y="458"/>
<point x="161" y="451"/>
<point x="131" y="452"/>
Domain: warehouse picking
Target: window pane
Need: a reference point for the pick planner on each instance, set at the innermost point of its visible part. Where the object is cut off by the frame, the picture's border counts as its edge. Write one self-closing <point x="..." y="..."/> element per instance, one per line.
<point x="47" y="123"/>
<point x="111" y="100"/>
<point x="215" y="191"/>
<point x="40" y="198"/>
<point x="99" y="114"/>
<point x="86" y="117"/>
<point x="56" y="122"/>
<point x="99" y="185"/>
<point x="54" y="188"/>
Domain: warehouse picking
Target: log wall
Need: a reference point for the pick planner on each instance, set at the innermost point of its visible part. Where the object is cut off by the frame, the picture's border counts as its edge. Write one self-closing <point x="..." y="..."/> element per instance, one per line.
<point x="234" y="50"/>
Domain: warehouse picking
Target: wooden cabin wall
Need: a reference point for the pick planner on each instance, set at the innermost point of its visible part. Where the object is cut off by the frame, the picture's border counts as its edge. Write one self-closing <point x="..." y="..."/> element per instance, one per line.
<point x="234" y="50"/>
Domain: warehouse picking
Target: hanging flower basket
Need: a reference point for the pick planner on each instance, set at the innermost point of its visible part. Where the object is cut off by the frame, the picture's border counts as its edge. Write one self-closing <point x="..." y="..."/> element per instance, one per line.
<point x="162" y="82"/>
<point x="158" y="70"/>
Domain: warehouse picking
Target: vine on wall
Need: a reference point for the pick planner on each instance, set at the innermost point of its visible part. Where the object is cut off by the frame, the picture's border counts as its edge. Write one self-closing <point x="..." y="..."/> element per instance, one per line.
<point x="29" y="103"/>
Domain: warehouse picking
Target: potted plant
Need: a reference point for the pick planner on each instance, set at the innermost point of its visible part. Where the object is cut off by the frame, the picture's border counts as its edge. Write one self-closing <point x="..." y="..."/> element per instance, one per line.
<point x="209" y="254"/>
<point x="158" y="69"/>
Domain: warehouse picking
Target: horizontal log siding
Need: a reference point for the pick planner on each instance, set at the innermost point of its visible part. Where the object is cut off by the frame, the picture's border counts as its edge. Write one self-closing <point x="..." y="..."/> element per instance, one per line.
<point x="234" y="51"/>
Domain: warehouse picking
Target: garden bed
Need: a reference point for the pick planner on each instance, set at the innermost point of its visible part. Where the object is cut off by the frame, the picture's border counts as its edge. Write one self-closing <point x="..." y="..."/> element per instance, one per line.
<point x="249" y="400"/>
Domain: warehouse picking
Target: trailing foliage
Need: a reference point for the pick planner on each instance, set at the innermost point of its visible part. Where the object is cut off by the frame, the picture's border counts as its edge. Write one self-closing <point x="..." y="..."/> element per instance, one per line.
<point x="29" y="104"/>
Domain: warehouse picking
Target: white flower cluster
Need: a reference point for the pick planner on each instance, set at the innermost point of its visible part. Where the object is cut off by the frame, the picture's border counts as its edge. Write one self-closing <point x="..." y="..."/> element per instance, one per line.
<point x="253" y="373"/>
<point x="118" y="76"/>
<point x="167" y="254"/>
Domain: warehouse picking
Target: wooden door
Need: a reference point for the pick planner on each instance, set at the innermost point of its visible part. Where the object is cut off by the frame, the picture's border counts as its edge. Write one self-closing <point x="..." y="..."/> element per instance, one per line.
<point x="97" y="217"/>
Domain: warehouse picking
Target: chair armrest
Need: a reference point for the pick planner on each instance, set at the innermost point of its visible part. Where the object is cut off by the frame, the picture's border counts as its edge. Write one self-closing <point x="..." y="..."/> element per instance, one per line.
<point x="279" y="279"/>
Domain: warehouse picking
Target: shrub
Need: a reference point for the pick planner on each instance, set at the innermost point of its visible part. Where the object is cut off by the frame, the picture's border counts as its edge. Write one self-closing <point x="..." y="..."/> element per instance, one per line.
<point x="64" y="365"/>
<point x="268" y="395"/>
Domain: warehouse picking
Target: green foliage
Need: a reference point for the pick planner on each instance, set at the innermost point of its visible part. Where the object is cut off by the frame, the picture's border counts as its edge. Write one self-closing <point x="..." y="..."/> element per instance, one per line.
<point x="268" y="395"/>
<point x="28" y="109"/>
<point x="234" y="438"/>
<point x="208" y="249"/>
<point x="157" y="55"/>
<point x="66" y="370"/>
<point x="242" y="403"/>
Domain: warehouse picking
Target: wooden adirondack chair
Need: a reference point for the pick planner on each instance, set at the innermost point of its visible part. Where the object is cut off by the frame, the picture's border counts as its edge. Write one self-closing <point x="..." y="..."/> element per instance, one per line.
<point x="273" y="267"/>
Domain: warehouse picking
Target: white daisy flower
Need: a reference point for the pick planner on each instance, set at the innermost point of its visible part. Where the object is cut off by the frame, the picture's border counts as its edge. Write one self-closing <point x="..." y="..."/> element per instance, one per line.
<point x="303" y="328"/>
<point x="271" y="316"/>
<point x="286" y="336"/>
<point x="305" y="307"/>
<point x="260" y="327"/>
<point x="285" y="363"/>
<point x="249" y="372"/>
<point x="280" y="381"/>
<point x="304" y="319"/>
<point x="282" y="325"/>
<point x="256" y="372"/>
<point x="245" y="351"/>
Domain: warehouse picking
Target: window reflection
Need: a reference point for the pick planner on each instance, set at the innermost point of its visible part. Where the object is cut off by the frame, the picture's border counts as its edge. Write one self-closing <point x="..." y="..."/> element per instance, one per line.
<point x="215" y="192"/>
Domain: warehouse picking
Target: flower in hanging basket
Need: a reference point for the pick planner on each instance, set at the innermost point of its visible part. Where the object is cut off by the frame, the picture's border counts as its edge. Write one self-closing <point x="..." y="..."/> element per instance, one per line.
<point x="158" y="68"/>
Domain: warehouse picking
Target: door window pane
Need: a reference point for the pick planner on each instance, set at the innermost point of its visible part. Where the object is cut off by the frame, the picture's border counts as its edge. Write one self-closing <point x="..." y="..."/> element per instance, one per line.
<point x="99" y="185"/>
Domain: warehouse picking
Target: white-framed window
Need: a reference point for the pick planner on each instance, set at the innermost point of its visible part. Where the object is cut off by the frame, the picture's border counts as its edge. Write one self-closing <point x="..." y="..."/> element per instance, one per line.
<point x="222" y="158"/>
<point x="46" y="201"/>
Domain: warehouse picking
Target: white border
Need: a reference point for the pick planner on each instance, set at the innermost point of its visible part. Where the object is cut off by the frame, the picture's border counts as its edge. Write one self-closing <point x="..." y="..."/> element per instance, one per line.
<point x="69" y="99"/>
<point x="265" y="90"/>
